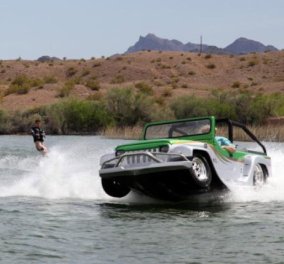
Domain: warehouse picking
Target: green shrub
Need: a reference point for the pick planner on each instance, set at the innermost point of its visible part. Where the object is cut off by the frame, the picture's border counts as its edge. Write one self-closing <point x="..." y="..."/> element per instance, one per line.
<point x="4" y="122"/>
<point x="242" y="106"/>
<point x="188" y="106"/>
<point x="129" y="108"/>
<point x="75" y="116"/>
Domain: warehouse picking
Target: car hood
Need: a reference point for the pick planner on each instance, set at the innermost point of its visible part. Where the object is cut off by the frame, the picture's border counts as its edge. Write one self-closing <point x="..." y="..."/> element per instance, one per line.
<point x="151" y="144"/>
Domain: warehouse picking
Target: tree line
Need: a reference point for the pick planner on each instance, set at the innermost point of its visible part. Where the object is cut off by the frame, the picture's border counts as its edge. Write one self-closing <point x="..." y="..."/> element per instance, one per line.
<point x="127" y="107"/>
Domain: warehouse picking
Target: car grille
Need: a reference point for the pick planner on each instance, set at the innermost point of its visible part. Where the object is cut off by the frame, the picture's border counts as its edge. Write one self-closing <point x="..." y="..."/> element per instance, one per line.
<point x="139" y="159"/>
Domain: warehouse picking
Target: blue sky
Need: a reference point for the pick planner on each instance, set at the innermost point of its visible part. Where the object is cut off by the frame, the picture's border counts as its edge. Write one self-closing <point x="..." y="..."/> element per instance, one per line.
<point x="94" y="28"/>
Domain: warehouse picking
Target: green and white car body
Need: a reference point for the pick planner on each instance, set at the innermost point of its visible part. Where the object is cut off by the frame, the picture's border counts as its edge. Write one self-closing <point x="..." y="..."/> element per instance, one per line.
<point x="180" y="158"/>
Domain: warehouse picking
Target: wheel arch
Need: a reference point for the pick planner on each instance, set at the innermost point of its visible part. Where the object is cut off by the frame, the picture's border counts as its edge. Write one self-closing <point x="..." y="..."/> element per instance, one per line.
<point x="265" y="170"/>
<point x="216" y="182"/>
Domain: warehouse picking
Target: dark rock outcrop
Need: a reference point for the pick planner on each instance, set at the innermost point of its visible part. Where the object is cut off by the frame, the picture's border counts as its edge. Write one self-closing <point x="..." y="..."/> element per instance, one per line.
<point x="47" y="58"/>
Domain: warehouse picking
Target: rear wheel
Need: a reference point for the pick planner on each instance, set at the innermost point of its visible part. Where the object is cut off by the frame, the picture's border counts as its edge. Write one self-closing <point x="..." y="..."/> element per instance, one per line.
<point x="115" y="188"/>
<point x="201" y="171"/>
<point x="259" y="176"/>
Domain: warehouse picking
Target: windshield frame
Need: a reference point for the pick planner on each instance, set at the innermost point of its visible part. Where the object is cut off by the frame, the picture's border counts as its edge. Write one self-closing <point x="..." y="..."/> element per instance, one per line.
<point x="176" y="126"/>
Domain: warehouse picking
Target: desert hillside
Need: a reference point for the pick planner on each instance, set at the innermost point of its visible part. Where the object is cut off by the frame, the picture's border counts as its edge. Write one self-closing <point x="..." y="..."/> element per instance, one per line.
<point x="28" y="84"/>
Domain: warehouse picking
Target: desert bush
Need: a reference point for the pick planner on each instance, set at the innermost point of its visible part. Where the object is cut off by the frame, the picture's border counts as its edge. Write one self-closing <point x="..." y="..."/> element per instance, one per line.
<point x="144" y="88"/>
<point x="96" y="64"/>
<point x="93" y="85"/>
<point x="211" y="66"/>
<point x="236" y="84"/>
<point x="22" y="84"/>
<point x="85" y="72"/>
<point x="49" y="79"/>
<point x="167" y="92"/>
<point x="95" y="97"/>
<point x="118" y="79"/>
<point x="66" y="89"/>
<point x="252" y="63"/>
<point x="71" y="71"/>
<point x="164" y="66"/>
<point x="208" y="56"/>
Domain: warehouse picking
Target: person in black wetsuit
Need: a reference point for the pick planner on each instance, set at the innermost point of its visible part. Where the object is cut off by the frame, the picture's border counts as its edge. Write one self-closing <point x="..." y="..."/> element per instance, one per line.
<point x="38" y="135"/>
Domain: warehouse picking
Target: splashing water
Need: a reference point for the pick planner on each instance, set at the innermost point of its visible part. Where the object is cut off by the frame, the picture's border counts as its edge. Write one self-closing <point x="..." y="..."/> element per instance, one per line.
<point x="273" y="190"/>
<point x="72" y="172"/>
<point x="61" y="174"/>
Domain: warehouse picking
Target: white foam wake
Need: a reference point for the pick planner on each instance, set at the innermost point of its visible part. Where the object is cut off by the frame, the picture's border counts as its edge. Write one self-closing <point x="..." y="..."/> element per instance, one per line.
<point x="61" y="174"/>
<point x="273" y="190"/>
<point x="73" y="173"/>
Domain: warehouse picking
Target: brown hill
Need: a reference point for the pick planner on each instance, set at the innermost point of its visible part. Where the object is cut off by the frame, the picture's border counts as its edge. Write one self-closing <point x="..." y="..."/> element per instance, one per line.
<point x="168" y="73"/>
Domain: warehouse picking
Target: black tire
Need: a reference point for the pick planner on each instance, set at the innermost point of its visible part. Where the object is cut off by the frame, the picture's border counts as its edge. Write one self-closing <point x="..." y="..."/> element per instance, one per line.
<point x="115" y="188"/>
<point x="201" y="171"/>
<point x="259" y="176"/>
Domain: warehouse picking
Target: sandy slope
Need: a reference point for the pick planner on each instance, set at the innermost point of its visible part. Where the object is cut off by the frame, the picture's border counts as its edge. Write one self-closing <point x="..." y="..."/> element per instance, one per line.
<point x="168" y="73"/>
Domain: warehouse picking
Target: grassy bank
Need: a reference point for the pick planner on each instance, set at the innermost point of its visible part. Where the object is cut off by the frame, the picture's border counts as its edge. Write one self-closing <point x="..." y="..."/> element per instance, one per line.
<point x="123" y="111"/>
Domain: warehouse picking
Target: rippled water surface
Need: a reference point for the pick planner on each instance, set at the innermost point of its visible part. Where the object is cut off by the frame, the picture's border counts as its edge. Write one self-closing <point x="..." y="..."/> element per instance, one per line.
<point x="53" y="210"/>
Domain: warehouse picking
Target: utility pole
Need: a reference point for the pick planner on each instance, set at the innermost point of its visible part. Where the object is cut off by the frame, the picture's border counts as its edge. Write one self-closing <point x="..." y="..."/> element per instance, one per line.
<point x="200" y="48"/>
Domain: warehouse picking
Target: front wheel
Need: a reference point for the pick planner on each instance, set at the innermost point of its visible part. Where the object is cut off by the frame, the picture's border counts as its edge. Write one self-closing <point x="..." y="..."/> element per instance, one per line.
<point x="201" y="171"/>
<point x="259" y="176"/>
<point x="115" y="188"/>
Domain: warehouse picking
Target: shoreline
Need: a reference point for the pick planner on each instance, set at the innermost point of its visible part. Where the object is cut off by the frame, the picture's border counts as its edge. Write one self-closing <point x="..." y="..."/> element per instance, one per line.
<point x="268" y="133"/>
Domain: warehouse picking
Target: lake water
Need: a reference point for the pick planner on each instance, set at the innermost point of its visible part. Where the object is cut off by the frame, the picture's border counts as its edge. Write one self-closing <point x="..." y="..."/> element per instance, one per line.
<point x="53" y="210"/>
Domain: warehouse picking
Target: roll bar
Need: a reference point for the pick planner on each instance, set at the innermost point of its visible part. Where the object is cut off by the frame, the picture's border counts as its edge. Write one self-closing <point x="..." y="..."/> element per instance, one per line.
<point x="230" y="123"/>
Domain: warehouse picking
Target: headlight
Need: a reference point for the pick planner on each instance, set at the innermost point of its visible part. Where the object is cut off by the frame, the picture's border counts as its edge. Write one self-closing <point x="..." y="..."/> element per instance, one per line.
<point x="119" y="152"/>
<point x="164" y="149"/>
